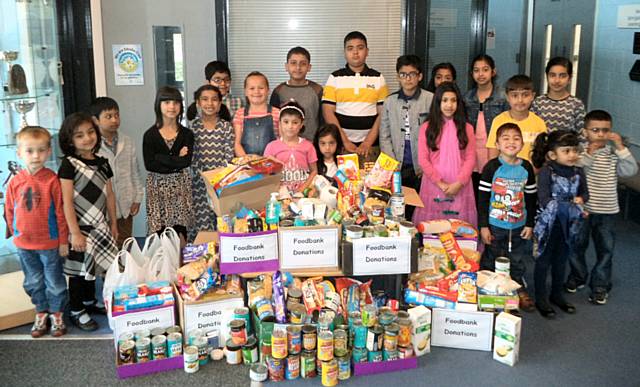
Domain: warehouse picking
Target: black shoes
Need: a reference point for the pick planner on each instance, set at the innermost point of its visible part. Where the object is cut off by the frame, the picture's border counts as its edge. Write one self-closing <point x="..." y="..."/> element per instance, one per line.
<point x="545" y="309"/>
<point x="83" y="321"/>
<point x="571" y="286"/>
<point x="563" y="305"/>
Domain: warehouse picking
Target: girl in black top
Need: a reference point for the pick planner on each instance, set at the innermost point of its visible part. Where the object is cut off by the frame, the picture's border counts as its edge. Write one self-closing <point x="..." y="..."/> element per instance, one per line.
<point x="167" y="149"/>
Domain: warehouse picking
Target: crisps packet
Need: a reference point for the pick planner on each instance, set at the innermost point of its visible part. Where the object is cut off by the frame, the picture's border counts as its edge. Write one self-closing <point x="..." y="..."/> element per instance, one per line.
<point x="349" y="165"/>
<point x="278" y="298"/>
<point x="382" y="173"/>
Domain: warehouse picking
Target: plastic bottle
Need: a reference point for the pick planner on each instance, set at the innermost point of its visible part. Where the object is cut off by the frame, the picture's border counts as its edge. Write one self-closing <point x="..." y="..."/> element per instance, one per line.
<point x="273" y="210"/>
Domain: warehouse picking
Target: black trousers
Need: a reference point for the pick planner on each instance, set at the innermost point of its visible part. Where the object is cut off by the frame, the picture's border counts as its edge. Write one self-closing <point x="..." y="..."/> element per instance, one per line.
<point x="81" y="291"/>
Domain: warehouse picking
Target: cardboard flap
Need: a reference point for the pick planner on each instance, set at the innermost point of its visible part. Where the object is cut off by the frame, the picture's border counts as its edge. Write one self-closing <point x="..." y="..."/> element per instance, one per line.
<point x="411" y="197"/>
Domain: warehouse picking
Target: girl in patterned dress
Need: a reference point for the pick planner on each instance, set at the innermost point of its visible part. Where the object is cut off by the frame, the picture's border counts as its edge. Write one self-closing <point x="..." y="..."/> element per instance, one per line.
<point x="167" y="148"/>
<point x="90" y="209"/>
<point x="213" y="148"/>
<point x="562" y="191"/>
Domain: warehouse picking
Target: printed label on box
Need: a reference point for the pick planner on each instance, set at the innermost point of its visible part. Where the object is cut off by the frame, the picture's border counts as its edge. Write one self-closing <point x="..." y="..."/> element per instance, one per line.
<point x="211" y="315"/>
<point x="308" y="248"/>
<point x="466" y="330"/>
<point x="145" y="319"/>
<point x="248" y="253"/>
<point x="373" y="256"/>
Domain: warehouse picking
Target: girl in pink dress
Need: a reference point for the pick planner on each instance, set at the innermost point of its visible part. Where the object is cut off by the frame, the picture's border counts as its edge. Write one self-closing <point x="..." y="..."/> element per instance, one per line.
<point x="447" y="155"/>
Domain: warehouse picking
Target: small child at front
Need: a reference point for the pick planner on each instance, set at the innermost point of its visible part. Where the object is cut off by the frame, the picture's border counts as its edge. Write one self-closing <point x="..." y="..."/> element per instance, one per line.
<point x="447" y="156"/>
<point x="213" y="148"/>
<point x="328" y="144"/>
<point x="604" y="161"/>
<point x="300" y="89"/>
<point x="296" y="153"/>
<point x="121" y="153"/>
<point x="256" y="125"/>
<point x="562" y="192"/>
<point x="558" y="108"/>
<point x="90" y="210"/>
<point x="507" y="208"/>
<point x="35" y="217"/>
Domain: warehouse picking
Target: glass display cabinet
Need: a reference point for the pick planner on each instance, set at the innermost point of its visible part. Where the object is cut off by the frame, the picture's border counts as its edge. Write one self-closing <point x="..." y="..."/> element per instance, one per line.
<point x="30" y="88"/>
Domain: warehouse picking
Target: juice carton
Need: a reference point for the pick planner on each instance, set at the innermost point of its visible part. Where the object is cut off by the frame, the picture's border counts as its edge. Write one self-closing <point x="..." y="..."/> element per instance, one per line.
<point x="421" y="329"/>
<point x="506" y="340"/>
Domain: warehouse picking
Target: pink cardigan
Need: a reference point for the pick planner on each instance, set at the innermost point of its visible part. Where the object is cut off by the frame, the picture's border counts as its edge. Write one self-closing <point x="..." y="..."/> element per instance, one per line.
<point x="427" y="158"/>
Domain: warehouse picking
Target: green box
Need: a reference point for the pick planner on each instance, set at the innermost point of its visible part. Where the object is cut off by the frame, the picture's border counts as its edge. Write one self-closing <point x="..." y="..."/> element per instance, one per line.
<point x="261" y="326"/>
<point x="489" y="302"/>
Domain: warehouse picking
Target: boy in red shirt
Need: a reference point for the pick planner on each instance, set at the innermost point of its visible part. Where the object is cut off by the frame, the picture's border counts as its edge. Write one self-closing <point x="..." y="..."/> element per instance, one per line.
<point x="35" y="218"/>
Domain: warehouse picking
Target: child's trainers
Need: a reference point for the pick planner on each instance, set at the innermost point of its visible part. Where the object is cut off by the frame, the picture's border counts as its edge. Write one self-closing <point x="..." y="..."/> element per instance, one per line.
<point x="599" y="298"/>
<point x="571" y="286"/>
<point x="39" y="327"/>
<point x="57" y="325"/>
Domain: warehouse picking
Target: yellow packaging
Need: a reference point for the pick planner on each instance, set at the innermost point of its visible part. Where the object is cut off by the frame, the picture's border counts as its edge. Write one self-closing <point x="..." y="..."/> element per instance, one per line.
<point x="382" y="173"/>
<point x="349" y="165"/>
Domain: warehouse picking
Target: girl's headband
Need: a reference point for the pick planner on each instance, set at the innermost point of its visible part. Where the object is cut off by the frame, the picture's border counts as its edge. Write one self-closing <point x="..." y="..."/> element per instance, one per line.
<point x="291" y="107"/>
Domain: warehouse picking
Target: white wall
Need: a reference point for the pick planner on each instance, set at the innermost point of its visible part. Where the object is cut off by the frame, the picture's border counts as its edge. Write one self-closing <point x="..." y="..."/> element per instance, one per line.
<point x="131" y="22"/>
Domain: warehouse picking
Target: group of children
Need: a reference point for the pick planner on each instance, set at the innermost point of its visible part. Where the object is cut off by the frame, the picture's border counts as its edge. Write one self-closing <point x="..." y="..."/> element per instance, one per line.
<point x="511" y="153"/>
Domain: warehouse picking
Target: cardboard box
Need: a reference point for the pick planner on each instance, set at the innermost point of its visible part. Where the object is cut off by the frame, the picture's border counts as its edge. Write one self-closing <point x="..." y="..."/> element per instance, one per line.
<point x="212" y="311"/>
<point x="465" y="330"/>
<point x="252" y="195"/>
<point x="490" y="303"/>
<point x="149" y="318"/>
<point x="411" y="197"/>
<point x="17" y="308"/>
<point x="262" y="327"/>
<point x="309" y="248"/>
<point x="379" y="255"/>
<point x="420" y="329"/>
<point x="151" y="367"/>
<point x="506" y="342"/>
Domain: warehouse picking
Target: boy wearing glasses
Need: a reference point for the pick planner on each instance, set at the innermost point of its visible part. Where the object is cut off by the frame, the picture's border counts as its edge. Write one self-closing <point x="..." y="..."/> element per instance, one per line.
<point x="402" y="114"/>
<point x="604" y="160"/>
<point x="218" y="74"/>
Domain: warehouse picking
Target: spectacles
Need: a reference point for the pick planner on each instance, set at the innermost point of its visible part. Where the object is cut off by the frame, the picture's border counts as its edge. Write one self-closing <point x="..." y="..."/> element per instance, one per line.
<point x="411" y="75"/>
<point x="221" y="80"/>
<point x="599" y="130"/>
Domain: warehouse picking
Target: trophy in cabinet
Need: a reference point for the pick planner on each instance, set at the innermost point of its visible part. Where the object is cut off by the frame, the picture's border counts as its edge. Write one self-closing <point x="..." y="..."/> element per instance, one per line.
<point x="23" y="107"/>
<point x="16" y="79"/>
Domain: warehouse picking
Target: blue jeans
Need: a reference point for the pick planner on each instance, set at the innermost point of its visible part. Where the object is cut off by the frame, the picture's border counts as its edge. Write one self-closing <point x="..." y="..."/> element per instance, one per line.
<point x="43" y="279"/>
<point x="499" y="247"/>
<point x="601" y="227"/>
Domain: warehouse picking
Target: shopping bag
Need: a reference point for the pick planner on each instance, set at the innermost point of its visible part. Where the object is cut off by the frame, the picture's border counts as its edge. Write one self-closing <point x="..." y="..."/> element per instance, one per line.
<point x="170" y="242"/>
<point x="151" y="245"/>
<point x="131" y="275"/>
<point x="131" y="245"/>
<point x="161" y="268"/>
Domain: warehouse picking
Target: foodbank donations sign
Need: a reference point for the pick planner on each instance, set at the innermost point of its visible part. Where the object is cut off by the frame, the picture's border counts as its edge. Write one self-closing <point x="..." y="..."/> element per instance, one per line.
<point x="465" y="330"/>
<point x="248" y="253"/>
<point x="378" y="255"/>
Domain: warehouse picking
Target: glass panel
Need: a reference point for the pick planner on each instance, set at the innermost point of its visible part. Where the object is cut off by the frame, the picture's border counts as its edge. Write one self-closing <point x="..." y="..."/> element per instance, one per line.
<point x="505" y="29"/>
<point x="261" y="33"/>
<point x="546" y="52"/>
<point x="169" y="57"/>
<point x="575" y="56"/>
<point x="449" y="37"/>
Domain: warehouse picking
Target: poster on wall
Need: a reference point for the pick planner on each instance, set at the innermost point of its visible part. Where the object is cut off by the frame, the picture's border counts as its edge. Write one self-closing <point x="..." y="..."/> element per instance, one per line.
<point x="127" y="64"/>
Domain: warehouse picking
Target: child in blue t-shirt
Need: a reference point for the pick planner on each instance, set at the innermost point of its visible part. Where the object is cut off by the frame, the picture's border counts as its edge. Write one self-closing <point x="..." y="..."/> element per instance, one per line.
<point x="507" y="207"/>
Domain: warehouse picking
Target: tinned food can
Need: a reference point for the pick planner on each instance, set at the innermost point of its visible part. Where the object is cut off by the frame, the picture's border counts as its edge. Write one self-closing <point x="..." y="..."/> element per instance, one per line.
<point x="340" y="342"/>
<point x="143" y="350"/>
<point x="359" y="355"/>
<point x="292" y="368"/>
<point x="238" y="331"/>
<point x="374" y="339"/>
<point x="294" y="339"/>
<point x="258" y="373"/>
<point x="330" y="373"/>
<point x="202" y="344"/>
<point x="279" y="344"/>
<point x="159" y="347"/>
<point x="308" y="367"/>
<point x="191" y="363"/>
<point x="250" y="351"/>
<point x="174" y="344"/>
<point x="344" y="367"/>
<point x="325" y="346"/>
<point x="126" y="352"/>
<point x="276" y="369"/>
<point x="309" y="337"/>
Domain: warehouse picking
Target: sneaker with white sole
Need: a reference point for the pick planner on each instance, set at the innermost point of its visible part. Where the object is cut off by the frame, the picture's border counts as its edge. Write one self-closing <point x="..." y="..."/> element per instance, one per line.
<point x="57" y="325"/>
<point x="572" y="286"/>
<point x="599" y="298"/>
<point x="40" y="326"/>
